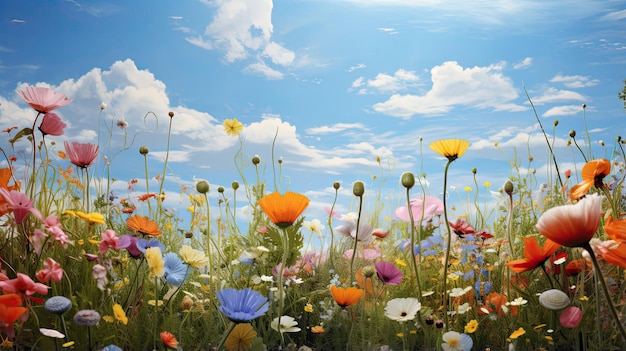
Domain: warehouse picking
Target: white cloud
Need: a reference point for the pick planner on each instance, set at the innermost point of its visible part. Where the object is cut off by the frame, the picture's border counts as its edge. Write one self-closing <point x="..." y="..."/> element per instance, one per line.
<point x="575" y="81"/>
<point x="336" y="128"/>
<point x="525" y="63"/>
<point x="260" y="68"/>
<point x="278" y="54"/>
<point x="200" y="42"/>
<point x="358" y="66"/>
<point x="478" y="87"/>
<point x="388" y="30"/>
<point x="566" y="110"/>
<point x="615" y="16"/>
<point x="551" y="95"/>
<point x="385" y="83"/>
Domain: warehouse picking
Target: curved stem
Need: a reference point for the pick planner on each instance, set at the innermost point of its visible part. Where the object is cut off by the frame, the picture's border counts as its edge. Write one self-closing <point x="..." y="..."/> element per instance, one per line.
<point x="605" y="289"/>
<point x="448" y="246"/>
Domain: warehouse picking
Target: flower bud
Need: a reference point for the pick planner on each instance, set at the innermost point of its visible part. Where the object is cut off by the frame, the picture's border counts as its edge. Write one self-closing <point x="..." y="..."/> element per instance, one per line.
<point x="358" y="189"/>
<point x="474" y="170"/>
<point x="530" y="158"/>
<point x="235" y="185"/>
<point x="508" y="187"/>
<point x="280" y="160"/>
<point x="601" y="142"/>
<point x="584" y="106"/>
<point x="336" y="185"/>
<point x="369" y="271"/>
<point x="188" y="235"/>
<point x="256" y="160"/>
<point x="408" y="180"/>
<point x="439" y="323"/>
<point x="144" y="150"/>
<point x="572" y="133"/>
<point x="220" y="189"/>
<point x="171" y="114"/>
<point x="556" y="122"/>
<point x="103" y="106"/>
<point x="202" y="187"/>
<point x="429" y="320"/>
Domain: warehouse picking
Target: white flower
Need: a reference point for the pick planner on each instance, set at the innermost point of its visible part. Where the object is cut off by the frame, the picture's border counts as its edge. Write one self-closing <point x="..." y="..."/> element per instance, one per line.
<point x="103" y="106"/>
<point x="402" y="309"/>
<point x="457" y="292"/>
<point x="464" y="308"/>
<point x="314" y="226"/>
<point x="554" y="299"/>
<point x="349" y="217"/>
<point x="267" y="278"/>
<point x="287" y="325"/>
<point x="121" y="123"/>
<point x="453" y="341"/>
<point x="518" y="302"/>
<point x="51" y="333"/>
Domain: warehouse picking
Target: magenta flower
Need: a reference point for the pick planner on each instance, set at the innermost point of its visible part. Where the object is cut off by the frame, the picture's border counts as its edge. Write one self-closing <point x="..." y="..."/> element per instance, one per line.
<point x="571" y="316"/>
<point x="52" y="125"/>
<point x="82" y="155"/>
<point x="388" y="273"/>
<point x="43" y="99"/>
<point x="429" y="206"/>
<point x="109" y="240"/>
<point x="51" y="271"/>
<point x="19" y="203"/>
<point x="23" y="285"/>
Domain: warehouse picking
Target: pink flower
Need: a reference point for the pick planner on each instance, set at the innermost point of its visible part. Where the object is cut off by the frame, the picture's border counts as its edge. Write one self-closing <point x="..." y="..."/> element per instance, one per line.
<point x="43" y="99"/>
<point x="572" y="225"/>
<point x="367" y="254"/>
<point x="364" y="233"/>
<point x="37" y="239"/>
<point x="571" y="316"/>
<point x="52" y="124"/>
<point x="429" y="206"/>
<point x="51" y="271"/>
<point x="388" y="273"/>
<point x="19" y="203"/>
<point x="109" y="240"/>
<point x="100" y="275"/>
<point x="82" y="155"/>
<point x="24" y="285"/>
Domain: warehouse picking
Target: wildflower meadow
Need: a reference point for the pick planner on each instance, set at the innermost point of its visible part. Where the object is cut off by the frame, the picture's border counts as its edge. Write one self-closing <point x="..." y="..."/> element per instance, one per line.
<point x="83" y="268"/>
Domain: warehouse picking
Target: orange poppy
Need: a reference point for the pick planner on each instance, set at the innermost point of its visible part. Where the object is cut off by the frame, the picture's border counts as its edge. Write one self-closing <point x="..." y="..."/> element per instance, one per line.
<point x="346" y="297"/>
<point x="616" y="230"/>
<point x="364" y="283"/>
<point x="143" y="225"/>
<point x="593" y="173"/>
<point x="575" y="267"/>
<point x="145" y="197"/>
<point x="169" y="339"/>
<point x="283" y="210"/>
<point x="5" y="178"/>
<point x="613" y="252"/>
<point x="10" y="310"/>
<point x="494" y="303"/>
<point x="534" y="256"/>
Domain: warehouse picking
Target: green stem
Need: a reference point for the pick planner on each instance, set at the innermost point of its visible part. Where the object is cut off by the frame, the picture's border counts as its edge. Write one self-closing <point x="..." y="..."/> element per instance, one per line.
<point x="356" y="240"/>
<point x="448" y="246"/>
<point x="412" y="248"/>
<point x="227" y="332"/>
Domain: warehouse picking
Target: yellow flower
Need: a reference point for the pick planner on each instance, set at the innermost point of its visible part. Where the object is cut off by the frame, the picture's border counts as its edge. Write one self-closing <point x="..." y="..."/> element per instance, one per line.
<point x="318" y="329"/>
<point x="240" y="338"/>
<point x="91" y="217"/>
<point x="400" y="263"/>
<point x="471" y="326"/>
<point x="468" y="189"/>
<point x="193" y="257"/>
<point x="308" y="308"/>
<point x="155" y="261"/>
<point x="450" y="148"/>
<point x="516" y="334"/>
<point x="487" y="184"/>
<point x="232" y="127"/>
<point x="119" y="313"/>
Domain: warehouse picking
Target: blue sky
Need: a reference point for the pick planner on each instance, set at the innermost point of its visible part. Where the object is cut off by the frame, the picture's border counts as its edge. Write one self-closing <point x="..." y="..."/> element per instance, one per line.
<point x="343" y="82"/>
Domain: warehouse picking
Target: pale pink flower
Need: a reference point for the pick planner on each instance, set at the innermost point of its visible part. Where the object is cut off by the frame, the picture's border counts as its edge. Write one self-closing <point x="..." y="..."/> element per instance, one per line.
<point x="367" y="254"/>
<point x="23" y="285"/>
<point x="429" y="206"/>
<point x="52" y="124"/>
<point x="51" y="271"/>
<point x="109" y="240"/>
<point x="19" y="203"/>
<point x="571" y="317"/>
<point x="82" y="155"/>
<point x="100" y="275"/>
<point x="43" y="99"/>
<point x="53" y="226"/>
<point x="37" y="239"/>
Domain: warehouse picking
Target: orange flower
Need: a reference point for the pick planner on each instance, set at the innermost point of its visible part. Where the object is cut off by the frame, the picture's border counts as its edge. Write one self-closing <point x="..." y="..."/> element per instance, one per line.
<point x="169" y="339"/>
<point x="576" y="266"/>
<point x="5" y="177"/>
<point x="364" y="283"/>
<point x="534" y="256"/>
<point x="493" y="304"/>
<point x="613" y="252"/>
<point x="616" y="230"/>
<point x="143" y="225"/>
<point x="283" y="210"/>
<point x="10" y="310"/>
<point x="145" y="197"/>
<point x="346" y="297"/>
<point x="593" y="172"/>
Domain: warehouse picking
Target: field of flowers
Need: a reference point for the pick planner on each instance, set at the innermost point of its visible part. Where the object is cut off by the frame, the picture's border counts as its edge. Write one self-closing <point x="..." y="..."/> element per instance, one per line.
<point x="83" y="270"/>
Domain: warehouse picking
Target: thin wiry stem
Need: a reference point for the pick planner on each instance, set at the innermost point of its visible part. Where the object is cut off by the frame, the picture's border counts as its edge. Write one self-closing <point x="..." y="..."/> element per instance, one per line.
<point x="448" y="246"/>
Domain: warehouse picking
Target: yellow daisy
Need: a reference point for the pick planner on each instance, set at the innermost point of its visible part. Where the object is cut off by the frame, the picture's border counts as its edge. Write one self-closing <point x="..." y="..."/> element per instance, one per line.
<point x="232" y="127"/>
<point x="450" y="148"/>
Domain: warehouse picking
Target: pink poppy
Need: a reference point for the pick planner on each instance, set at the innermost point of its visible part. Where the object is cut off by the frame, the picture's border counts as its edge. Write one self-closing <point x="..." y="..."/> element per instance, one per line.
<point x="364" y="234"/>
<point x="81" y="155"/>
<point x="24" y="285"/>
<point x="572" y="225"/>
<point x="429" y="206"/>
<point x="37" y="239"/>
<point x="43" y="99"/>
<point x="52" y="124"/>
<point x="19" y="203"/>
<point x="571" y="316"/>
<point x="388" y="273"/>
<point x="51" y="271"/>
<point x="109" y="240"/>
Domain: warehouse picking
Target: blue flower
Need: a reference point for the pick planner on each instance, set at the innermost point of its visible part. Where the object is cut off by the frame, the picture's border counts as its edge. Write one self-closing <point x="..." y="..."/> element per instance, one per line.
<point x="175" y="270"/>
<point x="242" y="306"/>
<point x="57" y="304"/>
<point x="143" y="244"/>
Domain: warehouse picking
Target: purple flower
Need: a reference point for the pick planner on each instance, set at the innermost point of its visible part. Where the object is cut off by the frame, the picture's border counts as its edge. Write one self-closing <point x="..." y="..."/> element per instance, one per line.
<point x="388" y="273"/>
<point x="429" y="206"/>
<point x="129" y="242"/>
<point x="242" y="306"/>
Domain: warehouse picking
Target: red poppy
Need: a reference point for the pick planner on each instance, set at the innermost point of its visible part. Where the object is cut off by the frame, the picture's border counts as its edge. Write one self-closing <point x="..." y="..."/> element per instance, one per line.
<point x="145" y="197"/>
<point x="534" y="256"/>
<point x="169" y="339"/>
<point x="461" y="227"/>
<point x="575" y="267"/>
<point x="346" y="297"/>
<point x="10" y="310"/>
<point x="593" y="173"/>
<point x="283" y="210"/>
<point x="143" y="225"/>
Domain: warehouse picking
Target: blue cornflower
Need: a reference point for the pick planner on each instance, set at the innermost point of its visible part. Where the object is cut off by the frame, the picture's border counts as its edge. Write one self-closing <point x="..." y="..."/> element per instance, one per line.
<point x="175" y="270"/>
<point x="143" y="244"/>
<point x="242" y="306"/>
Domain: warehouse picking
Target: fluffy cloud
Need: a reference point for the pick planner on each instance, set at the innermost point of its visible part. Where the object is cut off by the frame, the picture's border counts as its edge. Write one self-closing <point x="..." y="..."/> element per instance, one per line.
<point x="566" y="110"/>
<point x="525" y="63"/>
<point x="336" y="128"/>
<point x="452" y="85"/>
<point x="575" y="81"/>
<point x="552" y="95"/>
